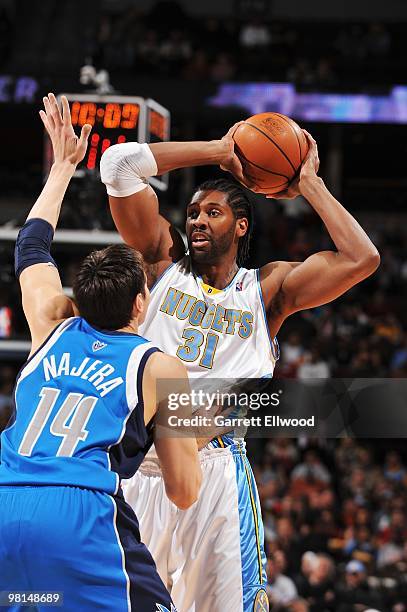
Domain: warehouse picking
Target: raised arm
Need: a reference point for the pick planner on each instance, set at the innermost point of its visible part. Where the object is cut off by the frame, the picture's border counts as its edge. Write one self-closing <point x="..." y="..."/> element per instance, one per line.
<point x="125" y="169"/>
<point x="291" y="286"/>
<point x="44" y="302"/>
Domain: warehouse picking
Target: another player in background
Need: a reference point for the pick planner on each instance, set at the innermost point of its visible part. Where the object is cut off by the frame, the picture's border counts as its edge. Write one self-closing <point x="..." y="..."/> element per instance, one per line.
<point x="221" y="320"/>
<point x="85" y="407"/>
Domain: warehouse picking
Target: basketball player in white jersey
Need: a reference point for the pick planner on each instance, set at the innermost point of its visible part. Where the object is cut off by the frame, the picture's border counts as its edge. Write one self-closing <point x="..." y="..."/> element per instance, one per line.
<point x="221" y="320"/>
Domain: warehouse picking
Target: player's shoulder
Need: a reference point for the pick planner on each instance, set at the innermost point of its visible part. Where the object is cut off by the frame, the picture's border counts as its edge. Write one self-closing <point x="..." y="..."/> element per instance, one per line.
<point x="162" y="366"/>
<point x="276" y="270"/>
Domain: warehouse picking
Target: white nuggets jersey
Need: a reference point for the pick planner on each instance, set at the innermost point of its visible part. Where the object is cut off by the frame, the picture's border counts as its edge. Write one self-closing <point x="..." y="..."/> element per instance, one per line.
<point x="216" y="333"/>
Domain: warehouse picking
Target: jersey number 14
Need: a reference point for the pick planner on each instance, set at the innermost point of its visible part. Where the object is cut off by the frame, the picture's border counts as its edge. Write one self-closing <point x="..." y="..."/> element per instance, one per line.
<point x="76" y="409"/>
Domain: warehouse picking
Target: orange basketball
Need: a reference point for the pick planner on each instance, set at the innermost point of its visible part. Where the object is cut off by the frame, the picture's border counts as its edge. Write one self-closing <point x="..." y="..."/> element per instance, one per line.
<point x="271" y="148"/>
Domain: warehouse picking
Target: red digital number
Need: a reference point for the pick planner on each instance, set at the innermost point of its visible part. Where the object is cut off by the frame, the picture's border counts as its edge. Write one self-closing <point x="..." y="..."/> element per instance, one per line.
<point x="93" y="151"/>
<point x="76" y="107"/>
<point x="157" y="125"/>
<point x="130" y="115"/>
<point x="113" y="115"/>
<point x="83" y="113"/>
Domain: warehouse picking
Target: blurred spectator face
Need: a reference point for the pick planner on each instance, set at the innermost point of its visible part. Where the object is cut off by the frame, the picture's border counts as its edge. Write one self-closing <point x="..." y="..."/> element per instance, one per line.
<point x="355" y="574"/>
<point x="323" y="570"/>
<point x="285" y="529"/>
<point x="364" y="456"/>
<point x="363" y="535"/>
<point x="398" y="520"/>
<point x="362" y="517"/>
<point x="287" y="505"/>
<point x="393" y="460"/>
<point x="280" y="561"/>
<point x="271" y="570"/>
<point x="358" y="478"/>
<point x="309" y="562"/>
<point x="293" y="339"/>
<point x="311" y="458"/>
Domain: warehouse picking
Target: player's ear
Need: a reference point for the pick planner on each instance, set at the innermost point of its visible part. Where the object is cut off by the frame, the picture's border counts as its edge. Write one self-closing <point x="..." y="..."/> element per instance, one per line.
<point x="140" y="305"/>
<point x="242" y="226"/>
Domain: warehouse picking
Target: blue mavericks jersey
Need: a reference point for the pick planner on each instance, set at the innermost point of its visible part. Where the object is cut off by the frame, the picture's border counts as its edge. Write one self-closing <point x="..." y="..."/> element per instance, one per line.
<point x="79" y="416"/>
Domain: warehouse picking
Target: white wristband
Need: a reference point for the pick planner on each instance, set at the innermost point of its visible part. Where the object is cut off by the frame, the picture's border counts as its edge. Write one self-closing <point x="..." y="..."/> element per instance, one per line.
<point x="125" y="168"/>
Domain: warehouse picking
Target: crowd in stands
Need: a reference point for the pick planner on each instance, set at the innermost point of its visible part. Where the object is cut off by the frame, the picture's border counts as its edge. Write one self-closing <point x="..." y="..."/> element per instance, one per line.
<point x="168" y="42"/>
<point x="335" y="525"/>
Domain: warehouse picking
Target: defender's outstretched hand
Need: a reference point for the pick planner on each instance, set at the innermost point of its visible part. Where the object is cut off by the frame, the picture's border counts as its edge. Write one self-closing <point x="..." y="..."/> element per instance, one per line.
<point x="66" y="145"/>
<point x="309" y="171"/>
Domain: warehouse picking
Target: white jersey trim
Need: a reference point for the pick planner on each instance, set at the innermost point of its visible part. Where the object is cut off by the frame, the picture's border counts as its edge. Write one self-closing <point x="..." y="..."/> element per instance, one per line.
<point x="275" y="351"/>
<point x="158" y="280"/>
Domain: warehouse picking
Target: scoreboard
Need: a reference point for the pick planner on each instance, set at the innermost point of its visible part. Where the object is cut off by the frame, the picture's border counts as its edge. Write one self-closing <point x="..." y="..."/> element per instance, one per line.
<point x="115" y="119"/>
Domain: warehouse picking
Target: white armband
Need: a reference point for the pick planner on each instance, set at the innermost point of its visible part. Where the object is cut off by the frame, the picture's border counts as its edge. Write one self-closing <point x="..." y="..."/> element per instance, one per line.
<point x="125" y="168"/>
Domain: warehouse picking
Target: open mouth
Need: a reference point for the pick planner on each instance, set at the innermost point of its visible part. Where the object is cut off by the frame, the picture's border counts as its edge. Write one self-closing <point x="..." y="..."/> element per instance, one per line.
<point x="199" y="240"/>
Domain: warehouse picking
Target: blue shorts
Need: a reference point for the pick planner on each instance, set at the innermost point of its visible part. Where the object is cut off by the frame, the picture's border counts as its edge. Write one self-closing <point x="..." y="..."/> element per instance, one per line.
<point x="83" y="543"/>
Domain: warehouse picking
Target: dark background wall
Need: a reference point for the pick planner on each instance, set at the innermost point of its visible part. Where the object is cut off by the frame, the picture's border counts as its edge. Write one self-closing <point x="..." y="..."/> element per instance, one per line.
<point x="358" y="10"/>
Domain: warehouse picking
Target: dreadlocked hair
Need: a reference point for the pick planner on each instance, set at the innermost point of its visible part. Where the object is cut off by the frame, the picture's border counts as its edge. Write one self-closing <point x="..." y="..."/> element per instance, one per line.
<point x="241" y="207"/>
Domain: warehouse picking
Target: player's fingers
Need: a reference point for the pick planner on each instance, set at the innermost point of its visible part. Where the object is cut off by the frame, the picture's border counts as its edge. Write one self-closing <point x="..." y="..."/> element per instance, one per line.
<point x="44" y="119"/>
<point x="85" y="131"/>
<point x="66" y="114"/>
<point x="83" y="141"/>
<point x="237" y="169"/>
<point x="233" y="129"/>
<point x="48" y="111"/>
<point x="56" y="113"/>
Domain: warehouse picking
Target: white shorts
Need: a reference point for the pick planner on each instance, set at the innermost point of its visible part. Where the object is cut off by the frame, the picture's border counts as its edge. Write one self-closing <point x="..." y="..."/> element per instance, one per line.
<point x="211" y="556"/>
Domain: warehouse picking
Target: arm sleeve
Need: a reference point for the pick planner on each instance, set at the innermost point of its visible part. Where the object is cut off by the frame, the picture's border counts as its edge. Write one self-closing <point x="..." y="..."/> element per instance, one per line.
<point x="33" y="245"/>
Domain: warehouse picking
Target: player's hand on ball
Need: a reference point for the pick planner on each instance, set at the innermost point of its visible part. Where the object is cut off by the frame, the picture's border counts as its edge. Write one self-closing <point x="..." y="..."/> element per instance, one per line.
<point x="229" y="160"/>
<point x="309" y="170"/>
<point x="66" y="145"/>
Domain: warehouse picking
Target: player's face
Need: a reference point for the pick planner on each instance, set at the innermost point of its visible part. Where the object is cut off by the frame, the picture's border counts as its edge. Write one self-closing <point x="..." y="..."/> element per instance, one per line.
<point x="210" y="226"/>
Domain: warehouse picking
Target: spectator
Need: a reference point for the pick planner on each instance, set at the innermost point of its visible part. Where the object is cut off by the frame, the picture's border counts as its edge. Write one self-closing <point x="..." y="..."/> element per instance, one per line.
<point x="311" y="470"/>
<point x="393" y="467"/>
<point x="280" y="588"/>
<point x="223" y="68"/>
<point x="313" y="366"/>
<point x="356" y="590"/>
<point x="255" y="34"/>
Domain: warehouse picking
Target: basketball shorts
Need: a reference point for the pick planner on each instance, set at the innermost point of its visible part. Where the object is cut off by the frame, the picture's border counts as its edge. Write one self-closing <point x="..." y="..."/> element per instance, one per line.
<point x="81" y="543"/>
<point x="211" y="556"/>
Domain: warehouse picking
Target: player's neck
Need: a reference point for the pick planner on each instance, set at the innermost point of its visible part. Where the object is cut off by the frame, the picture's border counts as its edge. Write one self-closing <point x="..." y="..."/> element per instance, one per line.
<point x="131" y="328"/>
<point x="217" y="275"/>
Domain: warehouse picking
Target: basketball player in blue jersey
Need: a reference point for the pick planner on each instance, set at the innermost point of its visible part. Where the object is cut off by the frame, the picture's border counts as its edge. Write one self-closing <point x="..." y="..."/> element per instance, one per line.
<point x="85" y="406"/>
<point x="221" y="320"/>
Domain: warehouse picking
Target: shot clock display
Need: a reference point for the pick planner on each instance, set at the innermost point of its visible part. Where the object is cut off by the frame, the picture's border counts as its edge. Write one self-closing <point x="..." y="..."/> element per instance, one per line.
<point x="116" y="119"/>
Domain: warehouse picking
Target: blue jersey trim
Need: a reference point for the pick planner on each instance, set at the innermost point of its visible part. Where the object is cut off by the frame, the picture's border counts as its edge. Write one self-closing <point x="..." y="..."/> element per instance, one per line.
<point x="140" y="375"/>
<point x="157" y="280"/>
<point x="275" y="349"/>
<point x="112" y="332"/>
<point x="31" y="357"/>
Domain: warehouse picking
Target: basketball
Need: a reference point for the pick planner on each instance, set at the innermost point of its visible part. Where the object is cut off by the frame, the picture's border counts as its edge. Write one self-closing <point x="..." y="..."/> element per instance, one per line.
<point x="271" y="148"/>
